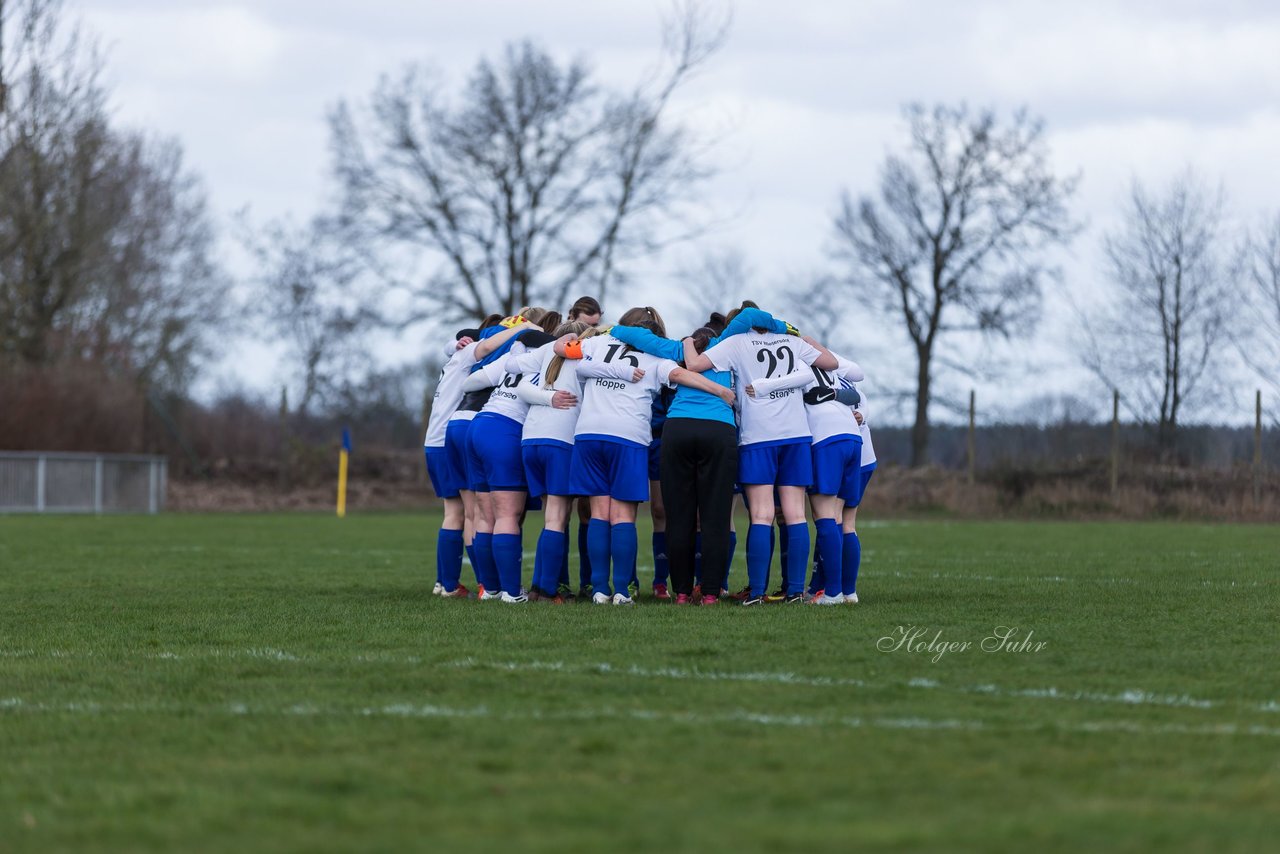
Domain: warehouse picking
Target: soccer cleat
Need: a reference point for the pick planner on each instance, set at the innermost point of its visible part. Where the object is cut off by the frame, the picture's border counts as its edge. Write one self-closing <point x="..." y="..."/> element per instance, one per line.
<point x="794" y="598"/>
<point x="600" y="599"/>
<point x="697" y="591"/>
<point x="683" y="599"/>
<point x="753" y="600"/>
<point x="778" y="595"/>
<point x="824" y="599"/>
<point x="660" y="592"/>
<point x="584" y="594"/>
<point x="619" y="599"/>
<point x="851" y="599"/>
<point x="560" y="600"/>
<point x="564" y="591"/>
<point x="709" y="600"/>
<point x="438" y="589"/>
<point x="535" y="594"/>
<point x="815" y="594"/>
<point x="458" y="592"/>
<point x="633" y="590"/>
<point x="741" y="595"/>
<point x="514" y="600"/>
<point x="485" y="595"/>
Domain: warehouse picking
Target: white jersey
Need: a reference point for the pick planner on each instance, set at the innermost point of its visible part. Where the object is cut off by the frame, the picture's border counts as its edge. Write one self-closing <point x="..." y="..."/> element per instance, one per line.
<point x="546" y="422"/>
<point x="617" y="408"/>
<point x="504" y="400"/>
<point x="832" y="418"/>
<point x="448" y="395"/>
<point x="778" y="415"/>
<point x="868" y="450"/>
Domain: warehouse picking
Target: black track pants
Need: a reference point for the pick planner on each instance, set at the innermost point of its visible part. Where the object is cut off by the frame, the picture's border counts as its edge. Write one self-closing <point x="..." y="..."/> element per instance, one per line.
<point x="699" y="467"/>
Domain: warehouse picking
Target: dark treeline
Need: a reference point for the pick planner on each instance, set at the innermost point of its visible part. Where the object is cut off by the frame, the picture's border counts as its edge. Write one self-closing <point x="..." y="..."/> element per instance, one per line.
<point x="1058" y="446"/>
<point x="532" y="181"/>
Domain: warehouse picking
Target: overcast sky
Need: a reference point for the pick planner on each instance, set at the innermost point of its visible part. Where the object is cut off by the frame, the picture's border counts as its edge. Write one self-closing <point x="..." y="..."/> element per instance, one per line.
<point x="805" y="98"/>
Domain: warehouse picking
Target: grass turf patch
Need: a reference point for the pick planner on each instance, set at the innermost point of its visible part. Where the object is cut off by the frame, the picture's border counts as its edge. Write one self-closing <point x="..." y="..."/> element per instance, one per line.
<point x="288" y="682"/>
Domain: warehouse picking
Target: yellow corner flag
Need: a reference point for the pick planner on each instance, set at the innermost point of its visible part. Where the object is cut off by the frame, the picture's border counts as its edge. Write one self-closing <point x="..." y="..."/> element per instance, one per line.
<point x="343" y="455"/>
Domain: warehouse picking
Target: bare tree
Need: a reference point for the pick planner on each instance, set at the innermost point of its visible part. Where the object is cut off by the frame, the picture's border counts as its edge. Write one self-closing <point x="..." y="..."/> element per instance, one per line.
<point x="105" y="242"/>
<point x="1260" y="342"/>
<point x="537" y="182"/>
<point x="309" y="288"/>
<point x="952" y="242"/>
<point x="716" y="280"/>
<point x="1171" y="267"/>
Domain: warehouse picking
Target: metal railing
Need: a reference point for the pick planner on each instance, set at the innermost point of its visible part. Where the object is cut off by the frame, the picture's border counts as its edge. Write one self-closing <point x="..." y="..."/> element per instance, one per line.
<point x="57" y="482"/>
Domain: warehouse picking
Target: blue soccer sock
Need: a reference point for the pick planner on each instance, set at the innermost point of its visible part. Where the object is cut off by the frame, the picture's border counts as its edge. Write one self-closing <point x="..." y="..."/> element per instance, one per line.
<point x="471" y="556"/>
<point x="563" y="578"/>
<point x="449" y="558"/>
<point x="553" y="547"/>
<point x="661" y="566"/>
<point x="598" y="546"/>
<point x="830" y="551"/>
<point x="539" y="563"/>
<point x="768" y="569"/>
<point x="759" y="556"/>
<point x="623" y="547"/>
<point x="796" y="557"/>
<point x="508" y="554"/>
<point x="852" y="560"/>
<point x="584" y="555"/>
<point x="486" y="569"/>
<point x="818" y="579"/>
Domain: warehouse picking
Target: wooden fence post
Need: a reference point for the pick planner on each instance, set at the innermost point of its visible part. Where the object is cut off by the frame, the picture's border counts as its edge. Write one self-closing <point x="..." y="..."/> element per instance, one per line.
<point x="1257" y="450"/>
<point x="973" y="444"/>
<point x="1115" y="440"/>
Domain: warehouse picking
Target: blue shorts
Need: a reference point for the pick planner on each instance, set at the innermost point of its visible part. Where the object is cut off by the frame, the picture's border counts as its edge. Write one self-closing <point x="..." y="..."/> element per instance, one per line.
<point x="867" y="470"/>
<point x="546" y="467"/>
<point x="442" y="481"/>
<point x="616" y="469"/>
<point x="455" y="453"/>
<point x="493" y="454"/>
<point x="655" y="459"/>
<point x="837" y="468"/>
<point x="788" y="463"/>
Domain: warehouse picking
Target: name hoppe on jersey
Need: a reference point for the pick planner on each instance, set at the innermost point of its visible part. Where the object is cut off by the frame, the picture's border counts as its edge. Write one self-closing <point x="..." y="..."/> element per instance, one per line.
<point x="613" y="384"/>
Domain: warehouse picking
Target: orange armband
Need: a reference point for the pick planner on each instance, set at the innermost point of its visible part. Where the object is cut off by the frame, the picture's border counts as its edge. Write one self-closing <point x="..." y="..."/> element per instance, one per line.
<point x="573" y="350"/>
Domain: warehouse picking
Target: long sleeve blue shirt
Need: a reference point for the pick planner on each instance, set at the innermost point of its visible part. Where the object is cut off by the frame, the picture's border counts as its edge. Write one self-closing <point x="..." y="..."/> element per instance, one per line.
<point x="692" y="402"/>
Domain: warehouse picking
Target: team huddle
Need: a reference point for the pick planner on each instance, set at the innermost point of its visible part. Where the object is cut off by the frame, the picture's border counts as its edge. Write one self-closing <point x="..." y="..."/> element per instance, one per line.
<point x="571" y="415"/>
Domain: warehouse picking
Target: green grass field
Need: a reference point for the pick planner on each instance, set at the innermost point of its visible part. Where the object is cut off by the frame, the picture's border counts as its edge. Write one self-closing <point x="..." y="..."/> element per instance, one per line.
<point x="289" y="683"/>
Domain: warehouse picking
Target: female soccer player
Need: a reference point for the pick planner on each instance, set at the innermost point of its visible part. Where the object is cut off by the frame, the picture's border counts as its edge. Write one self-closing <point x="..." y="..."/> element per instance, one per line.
<point x="837" y="461"/>
<point x="495" y="471"/>
<point x="588" y="311"/>
<point x="547" y="447"/>
<point x="610" y="452"/>
<point x="774" y="445"/>
<point x="445" y="445"/>
<point x="699" y="462"/>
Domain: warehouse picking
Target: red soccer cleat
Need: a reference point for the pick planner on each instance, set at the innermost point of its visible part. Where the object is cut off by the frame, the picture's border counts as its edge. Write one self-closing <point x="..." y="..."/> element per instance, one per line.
<point x="458" y="592"/>
<point x="683" y="599"/>
<point x="709" y="600"/>
<point x="660" y="592"/>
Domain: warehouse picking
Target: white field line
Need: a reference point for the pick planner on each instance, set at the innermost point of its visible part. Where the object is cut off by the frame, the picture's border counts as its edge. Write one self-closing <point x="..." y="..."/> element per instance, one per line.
<point x="16" y="705"/>
<point x="1131" y="697"/>
<point x="1062" y="579"/>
